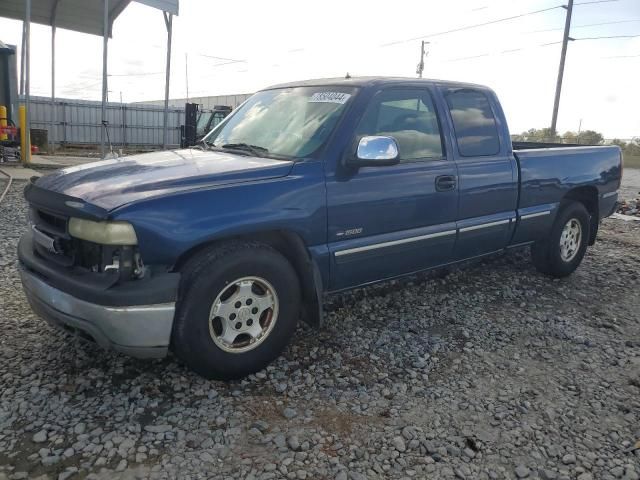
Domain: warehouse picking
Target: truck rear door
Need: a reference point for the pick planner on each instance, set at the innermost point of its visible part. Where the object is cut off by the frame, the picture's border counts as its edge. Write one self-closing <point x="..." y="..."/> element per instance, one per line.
<point x="487" y="172"/>
<point x="390" y="220"/>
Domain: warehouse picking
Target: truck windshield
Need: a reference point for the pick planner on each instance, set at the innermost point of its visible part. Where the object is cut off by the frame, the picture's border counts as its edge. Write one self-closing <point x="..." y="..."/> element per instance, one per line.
<point x="288" y="122"/>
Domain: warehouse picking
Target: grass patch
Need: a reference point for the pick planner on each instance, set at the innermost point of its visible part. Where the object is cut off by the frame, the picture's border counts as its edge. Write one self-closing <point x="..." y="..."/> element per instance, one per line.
<point x="631" y="161"/>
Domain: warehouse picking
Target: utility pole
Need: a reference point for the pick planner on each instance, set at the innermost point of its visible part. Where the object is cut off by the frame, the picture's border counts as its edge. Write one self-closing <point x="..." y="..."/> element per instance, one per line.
<point x="420" y="68"/>
<point x="563" y="54"/>
<point x="579" y="130"/>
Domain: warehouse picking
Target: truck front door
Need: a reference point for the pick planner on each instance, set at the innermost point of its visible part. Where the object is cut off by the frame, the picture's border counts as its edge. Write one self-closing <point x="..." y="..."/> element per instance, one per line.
<point x="391" y="220"/>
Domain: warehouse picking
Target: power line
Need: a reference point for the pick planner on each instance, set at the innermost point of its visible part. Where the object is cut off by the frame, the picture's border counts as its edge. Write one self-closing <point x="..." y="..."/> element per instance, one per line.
<point x="230" y="60"/>
<point x="513" y="50"/>
<point x="143" y="74"/>
<point x="72" y="89"/>
<point x="595" y="1"/>
<point x="225" y="61"/>
<point x="622" y="56"/>
<point x="469" y="27"/>
<point x="586" y="25"/>
<point x="228" y="63"/>
<point x="603" y="38"/>
<point x="502" y="52"/>
<point x="78" y="85"/>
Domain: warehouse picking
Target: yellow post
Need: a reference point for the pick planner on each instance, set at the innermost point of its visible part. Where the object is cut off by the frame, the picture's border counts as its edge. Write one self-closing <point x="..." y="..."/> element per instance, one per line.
<point x="3" y="122"/>
<point x="25" y="138"/>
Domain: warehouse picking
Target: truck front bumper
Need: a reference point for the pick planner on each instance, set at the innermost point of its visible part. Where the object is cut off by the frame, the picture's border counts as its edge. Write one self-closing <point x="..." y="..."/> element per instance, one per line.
<point x="142" y="331"/>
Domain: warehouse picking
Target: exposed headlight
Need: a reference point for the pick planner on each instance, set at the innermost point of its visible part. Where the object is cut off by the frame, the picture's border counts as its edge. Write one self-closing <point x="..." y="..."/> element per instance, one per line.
<point x="104" y="233"/>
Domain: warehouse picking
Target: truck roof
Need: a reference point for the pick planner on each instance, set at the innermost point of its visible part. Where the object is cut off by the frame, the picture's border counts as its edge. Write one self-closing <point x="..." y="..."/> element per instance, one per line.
<point x="372" y="81"/>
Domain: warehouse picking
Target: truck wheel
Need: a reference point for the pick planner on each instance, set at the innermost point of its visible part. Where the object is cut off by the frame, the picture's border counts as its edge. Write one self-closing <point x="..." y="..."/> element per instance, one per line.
<point x="238" y="308"/>
<point x="561" y="253"/>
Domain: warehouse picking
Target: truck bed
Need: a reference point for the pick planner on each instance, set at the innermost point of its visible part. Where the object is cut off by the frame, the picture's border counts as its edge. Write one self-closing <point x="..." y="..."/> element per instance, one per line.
<point x="546" y="174"/>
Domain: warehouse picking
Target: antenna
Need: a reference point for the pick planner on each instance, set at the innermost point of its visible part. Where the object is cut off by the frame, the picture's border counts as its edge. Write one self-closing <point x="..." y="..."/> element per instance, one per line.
<point x="105" y="124"/>
<point x="186" y="73"/>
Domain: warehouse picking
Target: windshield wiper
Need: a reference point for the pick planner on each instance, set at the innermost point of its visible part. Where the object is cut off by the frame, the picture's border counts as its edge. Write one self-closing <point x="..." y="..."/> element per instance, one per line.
<point x="253" y="149"/>
<point x="202" y="145"/>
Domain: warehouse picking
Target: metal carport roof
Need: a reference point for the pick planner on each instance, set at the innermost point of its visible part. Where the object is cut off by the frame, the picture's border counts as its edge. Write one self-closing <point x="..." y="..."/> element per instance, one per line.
<point x="95" y="17"/>
<point x="84" y="16"/>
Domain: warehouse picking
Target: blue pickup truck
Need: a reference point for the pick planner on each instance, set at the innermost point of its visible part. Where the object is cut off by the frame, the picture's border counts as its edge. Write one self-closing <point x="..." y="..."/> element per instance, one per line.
<point x="308" y="188"/>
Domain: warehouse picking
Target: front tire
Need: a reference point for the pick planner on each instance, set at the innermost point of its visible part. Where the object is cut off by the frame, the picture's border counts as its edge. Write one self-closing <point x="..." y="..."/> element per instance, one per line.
<point x="562" y="251"/>
<point x="238" y="308"/>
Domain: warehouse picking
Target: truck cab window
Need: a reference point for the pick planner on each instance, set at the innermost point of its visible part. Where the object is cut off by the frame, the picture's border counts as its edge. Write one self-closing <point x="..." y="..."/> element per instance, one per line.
<point x="408" y="116"/>
<point x="474" y="123"/>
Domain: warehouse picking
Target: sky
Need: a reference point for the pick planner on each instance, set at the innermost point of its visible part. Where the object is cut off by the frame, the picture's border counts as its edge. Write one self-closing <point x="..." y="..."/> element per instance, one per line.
<point x="241" y="46"/>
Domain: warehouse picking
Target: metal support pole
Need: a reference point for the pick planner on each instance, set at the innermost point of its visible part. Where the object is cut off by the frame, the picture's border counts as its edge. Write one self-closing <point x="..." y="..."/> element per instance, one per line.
<point x="563" y="54"/>
<point x="105" y="42"/>
<point x="53" y="83"/>
<point x="23" y="48"/>
<point x="64" y="122"/>
<point x="24" y="143"/>
<point x="121" y="124"/>
<point x="124" y="127"/>
<point x="26" y="154"/>
<point x="168" y="21"/>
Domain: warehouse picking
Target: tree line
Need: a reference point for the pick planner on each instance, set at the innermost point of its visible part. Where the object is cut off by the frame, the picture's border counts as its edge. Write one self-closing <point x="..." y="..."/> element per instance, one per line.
<point x="587" y="137"/>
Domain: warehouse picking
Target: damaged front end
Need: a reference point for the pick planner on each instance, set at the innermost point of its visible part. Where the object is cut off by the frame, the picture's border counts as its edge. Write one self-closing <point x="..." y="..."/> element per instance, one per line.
<point x="82" y="271"/>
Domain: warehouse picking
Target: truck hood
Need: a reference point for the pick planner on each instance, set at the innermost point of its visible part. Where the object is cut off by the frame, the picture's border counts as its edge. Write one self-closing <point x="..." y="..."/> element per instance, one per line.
<point x="110" y="184"/>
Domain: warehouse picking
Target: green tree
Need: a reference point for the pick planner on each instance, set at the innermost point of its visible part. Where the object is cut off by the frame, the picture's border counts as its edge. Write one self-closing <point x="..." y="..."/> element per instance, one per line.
<point x="631" y="152"/>
<point x="546" y="135"/>
<point x="543" y="135"/>
<point x="570" y="137"/>
<point x="633" y="147"/>
<point x="590" y="137"/>
<point x="621" y="143"/>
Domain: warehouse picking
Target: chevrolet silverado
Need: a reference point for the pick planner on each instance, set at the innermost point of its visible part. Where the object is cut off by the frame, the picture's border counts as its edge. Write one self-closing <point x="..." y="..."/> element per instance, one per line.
<point x="308" y="188"/>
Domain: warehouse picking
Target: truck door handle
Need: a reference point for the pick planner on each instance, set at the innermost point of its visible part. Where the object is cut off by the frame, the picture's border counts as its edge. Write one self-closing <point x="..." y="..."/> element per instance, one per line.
<point x="445" y="182"/>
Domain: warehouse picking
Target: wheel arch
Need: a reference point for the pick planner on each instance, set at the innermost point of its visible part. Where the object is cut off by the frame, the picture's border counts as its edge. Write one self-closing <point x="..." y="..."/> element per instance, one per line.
<point x="588" y="196"/>
<point x="291" y="246"/>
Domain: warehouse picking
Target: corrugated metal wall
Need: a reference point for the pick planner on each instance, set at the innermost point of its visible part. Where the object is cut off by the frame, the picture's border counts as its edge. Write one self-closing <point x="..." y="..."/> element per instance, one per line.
<point x="129" y="124"/>
<point x="206" y="102"/>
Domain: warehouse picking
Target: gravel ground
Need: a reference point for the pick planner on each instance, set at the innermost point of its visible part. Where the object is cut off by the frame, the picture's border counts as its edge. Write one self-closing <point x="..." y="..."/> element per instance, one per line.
<point x="494" y="371"/>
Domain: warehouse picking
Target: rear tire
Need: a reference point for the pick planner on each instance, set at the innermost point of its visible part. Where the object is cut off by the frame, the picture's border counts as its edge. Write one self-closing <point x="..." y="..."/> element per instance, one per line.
<point x="561" y="252"/>
<point x="238" y="308"/>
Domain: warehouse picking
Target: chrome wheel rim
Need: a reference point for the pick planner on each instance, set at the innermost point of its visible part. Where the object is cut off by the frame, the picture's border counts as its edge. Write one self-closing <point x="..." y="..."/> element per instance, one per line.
<point x="570" y="240"/>
<point x="243" y="314"/>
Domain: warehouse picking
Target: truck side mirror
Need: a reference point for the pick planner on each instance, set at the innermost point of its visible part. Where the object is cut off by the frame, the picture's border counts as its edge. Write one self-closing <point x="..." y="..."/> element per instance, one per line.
<point x="375" y="151"/>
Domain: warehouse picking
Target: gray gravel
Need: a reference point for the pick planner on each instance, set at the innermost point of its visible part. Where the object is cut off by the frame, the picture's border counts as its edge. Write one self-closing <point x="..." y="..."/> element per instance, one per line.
<point x="491" y="372"/>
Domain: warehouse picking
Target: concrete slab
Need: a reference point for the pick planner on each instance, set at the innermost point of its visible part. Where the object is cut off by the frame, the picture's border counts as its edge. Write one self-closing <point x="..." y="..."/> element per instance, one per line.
<point x="59" y="161"/>
<point x="19" y="173"/>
